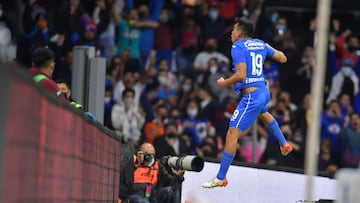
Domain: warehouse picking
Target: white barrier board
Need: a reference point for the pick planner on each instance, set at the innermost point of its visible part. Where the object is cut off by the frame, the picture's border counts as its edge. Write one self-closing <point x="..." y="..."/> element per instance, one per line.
<point x="251" y="185"/>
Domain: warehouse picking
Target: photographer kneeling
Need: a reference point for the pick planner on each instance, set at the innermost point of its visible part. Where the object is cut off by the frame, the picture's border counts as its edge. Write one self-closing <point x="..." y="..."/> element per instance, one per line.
<point x="146" y="180"/>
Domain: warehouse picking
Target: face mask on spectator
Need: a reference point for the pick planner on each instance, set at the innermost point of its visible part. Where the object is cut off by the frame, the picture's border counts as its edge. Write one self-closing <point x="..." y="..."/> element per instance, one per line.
<point x="213" y="15"/>
<point x="346" y="71"/>
<point x="128" y="101"/>
<point x="164" y="18"/>
<point x="42" y="23"/>
<point x="213" y="69"/>
<point x="186" y="87"/>
<point x="107" y="100"/>
<point x="162" y="80"/>
<point x="192" y="112"/>
<point x="281" y="29"/>
<point x="1" y="13"/>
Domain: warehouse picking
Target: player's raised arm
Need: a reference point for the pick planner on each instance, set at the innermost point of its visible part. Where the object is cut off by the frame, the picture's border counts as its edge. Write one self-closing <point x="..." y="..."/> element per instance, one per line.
<point x="278" y="56"/>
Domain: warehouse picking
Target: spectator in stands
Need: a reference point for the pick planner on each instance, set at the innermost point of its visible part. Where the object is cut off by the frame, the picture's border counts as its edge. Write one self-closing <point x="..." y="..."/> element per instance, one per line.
<point x="63" y="68"/>
<point x="304" y="73"/>
<point x="109" y="102"/>
<point x="144" y="178"/>
<point x="210" y="51"/>
<point x="156" y="127"/>
<point x="164" y="40"/>
<point x="149" y="17"/>
<point x="303" y="116"/>
<point x="65" y="89"/>
<point x="347" y="47"/>
<point x="189" y="37"/>
<point x="332" y="121"/>
<point x="162" y="89"/>
<point x="350" y="142"/>
<point x="287" y="72"/>
<point x="128" y="33"/>
<point x="105" y="27"/>
<point x="172" y="80"/>
<point x="208" y="104"/>
<point x="68" y="21"/>
<point x="115" y="70"/>
<point x="345" y="104"/>
<point x="328" y="161"/>
<point x="213" y="25"/>
<point x="214" y="73"/>
<point x="271" y="73"/>
<point x="43" y="60"/>
<point x="32" y="9"/>
<point x="197" y="129"/>
<point x="356" y="102"/>
<point x="88" y="35"/>
<point x="41" y="35"/>
<point x="127" y="118"/>
<point x="7" y="45"/>
<point x="171" y="143"/>
<point x="187" y="92"/>
<point x="344" y="81"/>
<point x="129" y="81"/>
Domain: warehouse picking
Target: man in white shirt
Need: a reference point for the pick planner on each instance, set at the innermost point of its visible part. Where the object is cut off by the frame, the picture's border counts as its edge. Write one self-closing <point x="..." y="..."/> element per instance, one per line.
<point x="202" y="58"/>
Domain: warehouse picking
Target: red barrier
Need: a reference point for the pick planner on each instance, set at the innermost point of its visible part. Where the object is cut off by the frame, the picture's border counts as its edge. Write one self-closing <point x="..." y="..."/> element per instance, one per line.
<point x="53" y="154"/>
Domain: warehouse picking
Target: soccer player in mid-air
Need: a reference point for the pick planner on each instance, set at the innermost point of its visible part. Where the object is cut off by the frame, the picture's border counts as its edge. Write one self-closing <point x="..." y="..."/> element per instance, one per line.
<point x="248" y="56"/>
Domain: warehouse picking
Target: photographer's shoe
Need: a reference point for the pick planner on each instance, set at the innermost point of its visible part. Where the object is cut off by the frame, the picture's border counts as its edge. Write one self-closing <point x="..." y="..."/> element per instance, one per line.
<point x="286" y="149"/>
<point x="215" y="183"/>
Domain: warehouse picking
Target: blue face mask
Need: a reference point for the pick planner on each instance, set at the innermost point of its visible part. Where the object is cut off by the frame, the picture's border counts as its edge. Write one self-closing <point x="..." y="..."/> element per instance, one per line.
<point x="346" y="71"/>
<point x="213" y="15"/>
<point x="274" y="17"/>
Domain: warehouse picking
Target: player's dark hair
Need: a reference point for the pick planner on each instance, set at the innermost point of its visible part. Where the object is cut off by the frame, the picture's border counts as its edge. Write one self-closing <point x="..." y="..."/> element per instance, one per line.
<point x="245" y="26"/>
<point x="42" y="56"/>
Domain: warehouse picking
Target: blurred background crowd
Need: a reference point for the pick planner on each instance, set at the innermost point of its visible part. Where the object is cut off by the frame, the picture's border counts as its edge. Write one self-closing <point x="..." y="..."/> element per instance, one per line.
<point x="164" y="57"/>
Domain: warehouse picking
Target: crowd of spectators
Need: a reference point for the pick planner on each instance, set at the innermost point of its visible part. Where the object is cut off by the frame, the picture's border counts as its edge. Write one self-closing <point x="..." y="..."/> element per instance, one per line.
<point x="163" y="61"/>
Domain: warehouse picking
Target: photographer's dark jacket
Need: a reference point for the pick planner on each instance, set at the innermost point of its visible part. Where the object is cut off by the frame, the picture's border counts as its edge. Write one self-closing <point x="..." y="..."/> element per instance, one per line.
<point x="133" y="180"/>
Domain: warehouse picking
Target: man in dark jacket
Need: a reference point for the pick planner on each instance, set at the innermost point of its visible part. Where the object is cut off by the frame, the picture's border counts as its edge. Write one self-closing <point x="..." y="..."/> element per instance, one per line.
<point x="142" y="178"/>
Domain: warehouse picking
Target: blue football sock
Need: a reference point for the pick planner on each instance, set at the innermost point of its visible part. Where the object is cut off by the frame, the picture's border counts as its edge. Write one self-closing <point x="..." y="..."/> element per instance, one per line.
<point x="274" y="128"/>
<point x="225" y="163"/>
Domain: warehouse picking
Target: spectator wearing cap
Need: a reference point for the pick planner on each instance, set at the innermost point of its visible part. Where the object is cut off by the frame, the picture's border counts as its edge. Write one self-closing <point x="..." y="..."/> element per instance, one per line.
<point x="344" y="81"/>
<point x="89" y="35"/>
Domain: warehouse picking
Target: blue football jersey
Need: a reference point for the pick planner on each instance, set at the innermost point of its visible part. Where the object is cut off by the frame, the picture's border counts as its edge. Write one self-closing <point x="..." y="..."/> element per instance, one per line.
<point x="253" y="53"/>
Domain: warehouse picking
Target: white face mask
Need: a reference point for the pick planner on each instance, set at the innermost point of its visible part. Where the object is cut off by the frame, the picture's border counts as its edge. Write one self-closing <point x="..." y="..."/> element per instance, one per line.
<point x="162" y="80"/>
<point x="186" y="87"/>
<point x="107" y="100"/>
<point x="1" y="13"/>
<point x="192" y="112"/>
<point x="213" y="69"/>
<point x="128" y="101"/>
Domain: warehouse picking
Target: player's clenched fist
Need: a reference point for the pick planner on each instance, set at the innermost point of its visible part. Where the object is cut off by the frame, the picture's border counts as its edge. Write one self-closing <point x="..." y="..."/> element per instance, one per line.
<point x="221" y="82"/>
